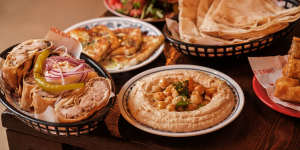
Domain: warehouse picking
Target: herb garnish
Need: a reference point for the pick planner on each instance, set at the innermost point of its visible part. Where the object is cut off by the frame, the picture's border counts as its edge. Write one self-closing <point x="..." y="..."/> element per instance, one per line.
<point x="182" y="88"/>
<point x="182" y="103"/>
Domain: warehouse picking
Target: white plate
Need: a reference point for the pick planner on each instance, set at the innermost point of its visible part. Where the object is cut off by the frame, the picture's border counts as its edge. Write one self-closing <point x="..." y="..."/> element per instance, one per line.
<point x="126" y="89"/>
<point x="118" y="22"/>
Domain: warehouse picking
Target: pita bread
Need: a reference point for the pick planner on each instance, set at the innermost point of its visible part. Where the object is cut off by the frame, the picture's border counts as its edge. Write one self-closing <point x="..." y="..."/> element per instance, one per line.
<point x="223" y="22"/>
<point x="249" y="20"/>
<point x="188" y="17"/>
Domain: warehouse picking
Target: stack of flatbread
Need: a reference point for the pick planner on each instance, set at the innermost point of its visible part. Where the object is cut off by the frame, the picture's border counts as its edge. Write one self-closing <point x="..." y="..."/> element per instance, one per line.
<point x="223" y="22"/>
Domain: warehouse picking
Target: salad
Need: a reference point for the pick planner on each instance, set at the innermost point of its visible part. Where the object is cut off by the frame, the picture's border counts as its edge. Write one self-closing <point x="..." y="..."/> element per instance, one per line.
<point x="144" y="9"/>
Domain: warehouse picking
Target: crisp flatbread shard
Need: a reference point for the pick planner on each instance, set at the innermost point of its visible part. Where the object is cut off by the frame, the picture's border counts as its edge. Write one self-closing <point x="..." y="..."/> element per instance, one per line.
<point x="244" y="19"/>
<point x="287" y="89"/>
<point x="292" y="68"/>
<point x="295" y="48"/>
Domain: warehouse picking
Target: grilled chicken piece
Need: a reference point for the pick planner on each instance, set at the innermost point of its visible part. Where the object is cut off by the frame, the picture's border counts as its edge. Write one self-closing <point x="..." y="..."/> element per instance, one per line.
<point x="130" y="41"/>
<point x="19" y="60"/>
<point x="95" y="96"/>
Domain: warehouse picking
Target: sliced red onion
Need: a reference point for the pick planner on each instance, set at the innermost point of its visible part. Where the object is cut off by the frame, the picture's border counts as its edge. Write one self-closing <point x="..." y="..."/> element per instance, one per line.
<point x="77" y="73"/>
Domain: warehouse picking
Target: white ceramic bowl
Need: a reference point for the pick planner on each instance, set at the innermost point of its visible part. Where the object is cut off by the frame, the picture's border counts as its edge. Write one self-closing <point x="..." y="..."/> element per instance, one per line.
<point x="122" y="99"/>
<point x="118" y="22"/>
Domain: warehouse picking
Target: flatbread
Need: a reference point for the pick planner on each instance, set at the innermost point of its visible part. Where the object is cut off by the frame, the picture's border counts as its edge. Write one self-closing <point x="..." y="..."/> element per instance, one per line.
<point x="225" y="22"/>
<point x="188" y="17"/>
<point x="247" y="20"/>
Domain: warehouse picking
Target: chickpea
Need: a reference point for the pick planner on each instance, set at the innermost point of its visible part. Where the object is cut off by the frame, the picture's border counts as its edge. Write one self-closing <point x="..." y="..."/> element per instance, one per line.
<point x="196" y="97"/>
<point x="206" y="97"/>
<point x="210" y="91"/>
<point x="174" y="92"/>
<point x="161" y="105"/>
<point x="169" y="99"/>
<point x="160" y="96"/>
<point x="168" y="90"/>
<point x="191" y="107"/>
<point x="177" y="99"/>
<point x="171" y="107"/>
<point x="156" y="88"/>
<point x="200" y="88"/>
<point x="163" y="83"/>
<point x="205" y="102"/>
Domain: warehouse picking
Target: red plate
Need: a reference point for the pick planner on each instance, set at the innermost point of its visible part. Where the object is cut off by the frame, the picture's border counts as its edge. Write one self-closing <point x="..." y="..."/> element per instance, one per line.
<point x="262" y="95"/>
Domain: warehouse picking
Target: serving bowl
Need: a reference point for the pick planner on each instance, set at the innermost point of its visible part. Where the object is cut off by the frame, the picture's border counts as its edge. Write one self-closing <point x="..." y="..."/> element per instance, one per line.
<point x="151" y="20"/>
<point x="118" y="22"/>
<point x="62" y="129"/>
<point x="208" y="51"/>
<point x="123" y="96"/>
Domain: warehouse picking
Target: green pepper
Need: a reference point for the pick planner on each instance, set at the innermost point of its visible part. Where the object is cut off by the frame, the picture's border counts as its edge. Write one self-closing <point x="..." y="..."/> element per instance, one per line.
<point x="54" y="88"/>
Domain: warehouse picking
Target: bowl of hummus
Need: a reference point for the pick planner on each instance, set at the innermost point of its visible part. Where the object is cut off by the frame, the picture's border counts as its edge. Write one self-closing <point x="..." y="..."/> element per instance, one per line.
<point x="180" y="100"/>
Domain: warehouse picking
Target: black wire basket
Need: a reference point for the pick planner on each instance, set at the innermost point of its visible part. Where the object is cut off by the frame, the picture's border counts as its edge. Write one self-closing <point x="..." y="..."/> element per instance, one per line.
<point x="207" y="51"/>
<point x="63" y="129"/>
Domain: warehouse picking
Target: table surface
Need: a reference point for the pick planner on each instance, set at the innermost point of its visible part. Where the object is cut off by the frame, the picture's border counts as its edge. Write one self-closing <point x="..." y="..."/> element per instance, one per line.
<point x="258" y="127"/>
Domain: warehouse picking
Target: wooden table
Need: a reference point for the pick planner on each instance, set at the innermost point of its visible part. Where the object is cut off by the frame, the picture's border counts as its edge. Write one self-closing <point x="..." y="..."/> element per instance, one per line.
<point x="258" y="127"/>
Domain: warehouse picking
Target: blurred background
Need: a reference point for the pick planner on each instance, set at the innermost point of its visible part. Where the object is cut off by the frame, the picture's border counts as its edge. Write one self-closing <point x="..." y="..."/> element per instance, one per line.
<point x="26" y="19"/>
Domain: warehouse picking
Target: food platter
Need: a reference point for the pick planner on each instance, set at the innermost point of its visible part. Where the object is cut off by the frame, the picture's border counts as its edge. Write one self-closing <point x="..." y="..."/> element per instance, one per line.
<point x="118" y="22"/>
<point x="262" y="95"/>
<point x="122" y="100"/>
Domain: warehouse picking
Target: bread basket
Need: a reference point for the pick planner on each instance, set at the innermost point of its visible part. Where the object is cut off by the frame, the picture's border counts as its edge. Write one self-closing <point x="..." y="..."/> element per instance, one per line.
<point x="62" y="129"/>
<point x="207" y="51"/>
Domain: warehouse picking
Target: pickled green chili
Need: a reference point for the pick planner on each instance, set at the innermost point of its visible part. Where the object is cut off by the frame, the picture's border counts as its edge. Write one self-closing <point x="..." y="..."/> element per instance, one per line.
<point x="49" y="87"/>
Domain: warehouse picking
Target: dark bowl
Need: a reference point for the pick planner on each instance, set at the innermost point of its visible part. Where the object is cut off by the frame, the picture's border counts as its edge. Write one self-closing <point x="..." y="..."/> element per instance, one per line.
<point x="208" y="51"/>
<point x="63" y="129"/>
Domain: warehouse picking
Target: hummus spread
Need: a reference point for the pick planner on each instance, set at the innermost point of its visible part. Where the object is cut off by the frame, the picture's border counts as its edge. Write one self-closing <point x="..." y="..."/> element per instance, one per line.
<point x="181" y="100"/>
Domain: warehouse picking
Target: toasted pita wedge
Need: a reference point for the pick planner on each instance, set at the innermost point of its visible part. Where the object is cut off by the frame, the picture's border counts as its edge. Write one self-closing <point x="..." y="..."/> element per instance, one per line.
<point x="82" y="35"/>
<point x="102" y="32"/>
<point x="149" y="45"/>
<point x="130" y="41"/>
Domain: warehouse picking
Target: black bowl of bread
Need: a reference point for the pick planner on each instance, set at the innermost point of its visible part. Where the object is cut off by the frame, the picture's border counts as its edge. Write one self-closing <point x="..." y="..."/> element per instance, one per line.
<point x="230" y="28"/>
<point x="49" y="85"/>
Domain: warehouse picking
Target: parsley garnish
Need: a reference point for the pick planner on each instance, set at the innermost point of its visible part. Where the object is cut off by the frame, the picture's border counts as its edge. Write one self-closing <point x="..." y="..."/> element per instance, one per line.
<point x="182" y="88"/>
